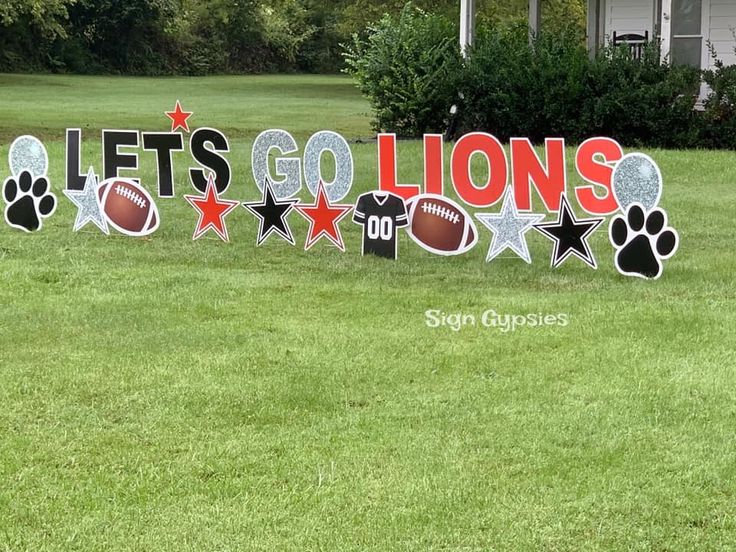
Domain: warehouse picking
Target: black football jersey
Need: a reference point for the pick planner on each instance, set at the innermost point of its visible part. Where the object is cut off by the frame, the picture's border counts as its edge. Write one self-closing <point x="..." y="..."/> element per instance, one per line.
<point x="381" y="214"/>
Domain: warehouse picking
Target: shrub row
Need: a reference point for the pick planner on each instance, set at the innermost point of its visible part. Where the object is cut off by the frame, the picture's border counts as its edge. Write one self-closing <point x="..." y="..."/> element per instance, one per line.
<point x="410" y="69"/>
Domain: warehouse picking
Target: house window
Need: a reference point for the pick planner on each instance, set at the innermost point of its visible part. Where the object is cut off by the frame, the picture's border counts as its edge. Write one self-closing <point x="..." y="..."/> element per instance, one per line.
<point x="687" y="32"/>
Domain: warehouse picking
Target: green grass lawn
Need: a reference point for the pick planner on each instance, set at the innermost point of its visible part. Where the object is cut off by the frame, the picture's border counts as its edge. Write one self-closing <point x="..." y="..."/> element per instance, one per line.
<point x="165" y="394"/>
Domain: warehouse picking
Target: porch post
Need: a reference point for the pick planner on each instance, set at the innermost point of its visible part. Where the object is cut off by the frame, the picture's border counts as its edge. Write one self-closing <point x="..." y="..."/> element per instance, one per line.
<point x="593" y="31"/>
<point x="666" y="30"/>
<point x="467" y="25"/>
<point x="535" y="18"/>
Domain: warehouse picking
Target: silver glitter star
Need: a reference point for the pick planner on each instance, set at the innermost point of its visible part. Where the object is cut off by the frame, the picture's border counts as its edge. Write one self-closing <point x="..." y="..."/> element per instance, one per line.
<point x="509" y="228"/>
<point x="88" y="204"/>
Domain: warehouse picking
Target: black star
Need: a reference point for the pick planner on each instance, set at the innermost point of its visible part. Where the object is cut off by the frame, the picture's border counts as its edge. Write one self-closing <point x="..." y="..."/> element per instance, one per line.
<point x="570" y="236"/>
<point x="272" y="215"/>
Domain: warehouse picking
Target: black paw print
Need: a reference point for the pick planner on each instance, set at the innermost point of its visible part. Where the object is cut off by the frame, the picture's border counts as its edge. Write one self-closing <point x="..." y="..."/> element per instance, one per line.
<point x="642" y="241"/>
<point x="29" y="201"/>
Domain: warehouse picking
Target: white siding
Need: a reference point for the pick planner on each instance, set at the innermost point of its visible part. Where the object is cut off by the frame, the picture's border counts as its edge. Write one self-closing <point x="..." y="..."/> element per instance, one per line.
<point x="721" y="29"/>
<point x="630" y="16"/>
<point x="637" y="16"/>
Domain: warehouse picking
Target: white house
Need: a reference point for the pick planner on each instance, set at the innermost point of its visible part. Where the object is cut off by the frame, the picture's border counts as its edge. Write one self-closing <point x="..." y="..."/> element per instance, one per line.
<point x="684" y="27"/>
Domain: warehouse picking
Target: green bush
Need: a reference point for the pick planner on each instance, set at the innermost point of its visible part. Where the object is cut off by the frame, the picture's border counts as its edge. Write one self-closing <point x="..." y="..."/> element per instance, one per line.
<point x="409" y="68"/>
<point x="551" y="87"/>
<point x="719" y="115"/>
<point x="641" y="102"/>
<point x="514" y="88"/>
<point x="411" y="71"/>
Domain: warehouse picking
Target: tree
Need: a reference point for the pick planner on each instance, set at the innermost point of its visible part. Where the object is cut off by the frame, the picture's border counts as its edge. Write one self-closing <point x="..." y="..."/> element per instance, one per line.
<point x="215" y="36"/>
<point x="48" y="16"/>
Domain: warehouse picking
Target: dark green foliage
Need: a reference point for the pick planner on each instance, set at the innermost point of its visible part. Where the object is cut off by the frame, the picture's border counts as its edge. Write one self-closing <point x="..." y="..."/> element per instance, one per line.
<point x="410" y="70"/>
<point x="641" y="102"/>
<point x="409" y="67"/>
<point x="719" y="116"/>
<point x="513" y="89"/>
<point x="122" y="35"/>
<point x="17" y="46"/>
<point x="193" y="37"/>
<point x="552" y="88"/>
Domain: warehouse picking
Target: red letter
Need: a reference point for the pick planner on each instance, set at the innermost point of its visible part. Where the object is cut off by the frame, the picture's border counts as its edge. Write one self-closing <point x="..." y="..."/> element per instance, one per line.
<point x="434" y="178"/>
<point x="527" y="169"/>
<point x="387" y="171"/>
<point x="598" y="173"/>
<point x="492" y="150"/>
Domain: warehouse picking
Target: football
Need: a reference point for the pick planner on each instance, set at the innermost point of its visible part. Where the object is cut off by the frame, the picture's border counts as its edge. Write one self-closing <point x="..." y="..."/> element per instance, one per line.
<point x="440" y="225"/>
<point x="128" y="207"/>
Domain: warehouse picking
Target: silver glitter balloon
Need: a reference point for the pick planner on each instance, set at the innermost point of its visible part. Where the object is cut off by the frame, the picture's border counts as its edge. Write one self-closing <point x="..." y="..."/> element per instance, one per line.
<point x="509" y="228"/>
<point x="287" y="168"/>
<point x="27" y="153"/>
<point x="318" y="144"/>
<point x="88" y="204"/>
<point x="637" y="179"/>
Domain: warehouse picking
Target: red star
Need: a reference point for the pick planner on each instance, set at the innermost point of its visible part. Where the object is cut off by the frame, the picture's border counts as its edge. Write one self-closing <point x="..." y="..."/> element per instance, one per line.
<point x="179" y="118"/>
<point x="323" y="218"/>
<point x="212" y="211"/>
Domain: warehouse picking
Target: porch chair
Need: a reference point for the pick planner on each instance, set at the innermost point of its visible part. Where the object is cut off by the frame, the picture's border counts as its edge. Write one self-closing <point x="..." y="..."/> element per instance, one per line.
<point x="635" y="42"/>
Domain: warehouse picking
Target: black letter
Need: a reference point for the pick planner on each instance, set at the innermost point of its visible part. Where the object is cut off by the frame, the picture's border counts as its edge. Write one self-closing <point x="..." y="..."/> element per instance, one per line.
<point x="112" y="159"/>
<point x="198" y="141"/>
<point x="163" y="143"/>
<point x="74" y="180"/>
